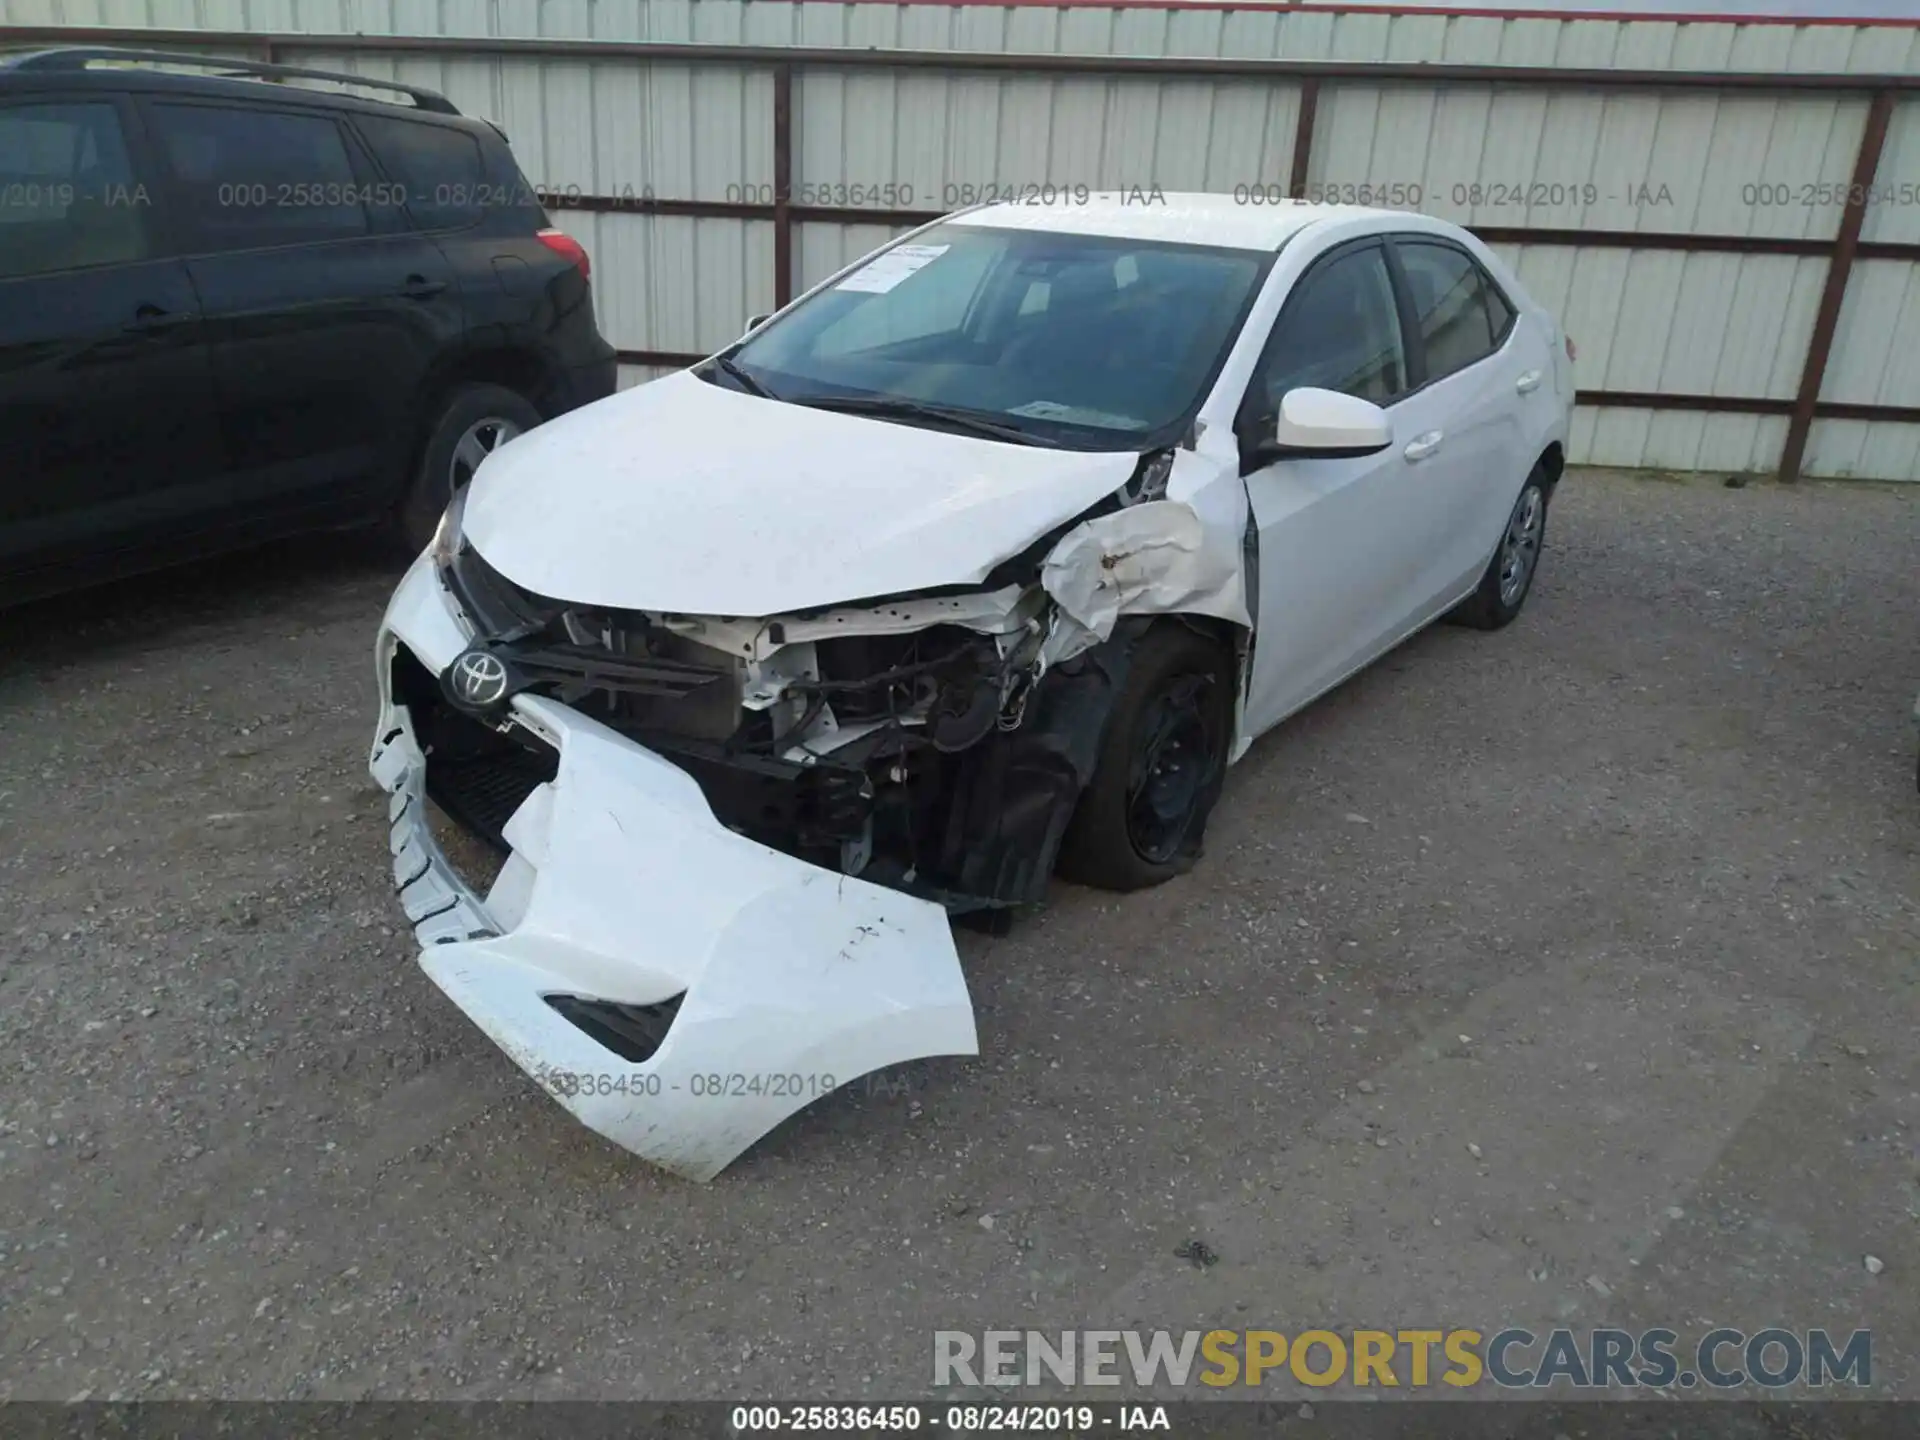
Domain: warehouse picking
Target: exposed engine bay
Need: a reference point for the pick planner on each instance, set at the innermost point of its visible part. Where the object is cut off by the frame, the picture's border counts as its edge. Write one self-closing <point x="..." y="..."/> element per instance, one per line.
<point x="935" y="744"/>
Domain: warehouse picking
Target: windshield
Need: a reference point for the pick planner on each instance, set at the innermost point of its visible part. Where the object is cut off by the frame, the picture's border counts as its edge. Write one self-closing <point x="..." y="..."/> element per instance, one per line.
<point x="1083" y="340"/>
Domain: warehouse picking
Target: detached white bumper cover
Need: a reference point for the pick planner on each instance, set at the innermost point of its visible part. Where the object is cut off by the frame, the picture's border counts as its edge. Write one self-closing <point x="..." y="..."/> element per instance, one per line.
<point x="623" y="887"/>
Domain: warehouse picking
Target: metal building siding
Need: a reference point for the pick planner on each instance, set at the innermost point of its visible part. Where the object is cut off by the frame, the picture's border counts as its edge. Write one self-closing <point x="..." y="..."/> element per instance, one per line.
<point x="1654" y="162"/>
<point x="1666" y="321"/>
<point x="1875" y="360"/>
<point x="667" y="283"/>
<point x="606" y="128"/>
<point x="1876" y="450"/>
<point x="1894" y="214"/>
<point x="1676" y="440"/>
<point x="1126" y="28"/>
<point x="944" y="137"/>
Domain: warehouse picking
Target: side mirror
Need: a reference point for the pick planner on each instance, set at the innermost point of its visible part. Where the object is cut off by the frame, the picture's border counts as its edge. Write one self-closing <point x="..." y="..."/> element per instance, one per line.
<point x="754" y="322"/>
<point x="1326" y="425"/>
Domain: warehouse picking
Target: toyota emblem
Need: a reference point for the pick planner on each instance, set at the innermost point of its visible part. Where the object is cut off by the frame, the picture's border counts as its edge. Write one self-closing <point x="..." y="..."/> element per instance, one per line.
<point x="479" y="679"/>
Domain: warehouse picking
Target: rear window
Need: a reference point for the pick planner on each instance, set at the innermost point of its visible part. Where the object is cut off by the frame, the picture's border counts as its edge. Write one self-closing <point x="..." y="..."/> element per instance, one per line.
<point x="68" y="197"/>
<point x="440" y="167"/>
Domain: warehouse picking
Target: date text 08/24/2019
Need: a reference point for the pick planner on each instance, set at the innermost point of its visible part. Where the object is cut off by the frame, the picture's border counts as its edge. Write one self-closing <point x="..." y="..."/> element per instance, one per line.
<point x="973" y="1419"/>
<point x="639" y="1084"/>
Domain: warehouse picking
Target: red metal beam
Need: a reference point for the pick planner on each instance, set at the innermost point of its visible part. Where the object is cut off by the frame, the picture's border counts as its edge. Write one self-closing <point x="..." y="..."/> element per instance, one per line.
<point x="782" y="185"/>
<point x="1866" y="164"/>
<point x="1303" y="138"/>
<point x="1650" y="400"/>
<point x="1748" y="405"/>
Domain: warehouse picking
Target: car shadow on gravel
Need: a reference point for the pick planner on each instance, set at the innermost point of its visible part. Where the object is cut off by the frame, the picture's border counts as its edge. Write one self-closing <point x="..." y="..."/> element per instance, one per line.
<point x="309" y="580"/>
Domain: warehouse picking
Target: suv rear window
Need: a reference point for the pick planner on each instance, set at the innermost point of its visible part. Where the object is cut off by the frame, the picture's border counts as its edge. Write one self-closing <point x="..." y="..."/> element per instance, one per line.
<point x="68" y="199"/>
<point x="439" y="167"/>
<point x="253" y="177"/>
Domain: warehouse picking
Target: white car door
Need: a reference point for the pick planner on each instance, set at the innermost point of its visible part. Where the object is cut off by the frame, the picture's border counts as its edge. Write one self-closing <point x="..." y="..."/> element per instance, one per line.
<point x="1337" y="537"/>
<point x="1478" y="369"/>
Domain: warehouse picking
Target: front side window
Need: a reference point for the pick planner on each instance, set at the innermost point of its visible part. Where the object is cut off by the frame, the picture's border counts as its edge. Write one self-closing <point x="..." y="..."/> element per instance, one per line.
<point x="1462" y="317"/>
<point x="68" y="196"/>
<point x="1083" y="340"/>
<point x="1339" y="330"/>
<point x="251" y="177"/>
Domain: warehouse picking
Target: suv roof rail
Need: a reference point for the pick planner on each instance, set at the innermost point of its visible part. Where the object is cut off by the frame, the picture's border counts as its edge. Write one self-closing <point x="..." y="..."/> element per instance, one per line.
<point x="79" y="57"/>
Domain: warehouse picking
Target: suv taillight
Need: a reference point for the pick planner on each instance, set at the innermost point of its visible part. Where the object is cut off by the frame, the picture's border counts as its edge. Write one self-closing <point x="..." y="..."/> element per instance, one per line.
<point x="570" y="249"/>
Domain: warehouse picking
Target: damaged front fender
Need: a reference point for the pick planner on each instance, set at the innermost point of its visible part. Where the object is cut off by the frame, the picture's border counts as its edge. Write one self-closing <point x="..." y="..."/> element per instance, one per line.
<point x="1157" y="558"/>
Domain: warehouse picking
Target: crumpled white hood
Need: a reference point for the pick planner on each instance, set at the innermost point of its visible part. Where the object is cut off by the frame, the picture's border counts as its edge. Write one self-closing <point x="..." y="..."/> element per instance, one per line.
<point x="683" y="496"/>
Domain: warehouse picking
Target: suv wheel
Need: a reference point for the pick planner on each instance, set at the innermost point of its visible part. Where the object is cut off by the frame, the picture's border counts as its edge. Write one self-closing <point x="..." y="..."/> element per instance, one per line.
<point x="474" y="421"/>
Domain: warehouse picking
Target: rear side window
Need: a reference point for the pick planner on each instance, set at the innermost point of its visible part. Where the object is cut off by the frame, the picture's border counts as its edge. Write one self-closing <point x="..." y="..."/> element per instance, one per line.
<point x="250" y="177"/>
<point x="440" y="169"/>
<point x="1463" y="316"/>
<point x="68" y="196"/>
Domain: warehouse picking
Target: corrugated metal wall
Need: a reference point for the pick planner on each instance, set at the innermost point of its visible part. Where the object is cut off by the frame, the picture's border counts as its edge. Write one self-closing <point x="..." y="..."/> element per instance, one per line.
<point x="1655" y="321"/>
<point x="1118" y="29"/>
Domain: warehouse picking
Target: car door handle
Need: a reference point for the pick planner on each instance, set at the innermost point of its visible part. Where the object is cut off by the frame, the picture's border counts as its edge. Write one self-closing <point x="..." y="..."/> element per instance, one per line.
<point x="1422" y="446"/>
<point x="418" y="287"/>
<point x="147" y="319"/>
<point x="1528" y="382"/>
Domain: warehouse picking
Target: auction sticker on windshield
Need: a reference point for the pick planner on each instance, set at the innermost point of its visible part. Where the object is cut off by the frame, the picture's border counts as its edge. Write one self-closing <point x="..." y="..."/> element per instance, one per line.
<point x="884" y="271"/>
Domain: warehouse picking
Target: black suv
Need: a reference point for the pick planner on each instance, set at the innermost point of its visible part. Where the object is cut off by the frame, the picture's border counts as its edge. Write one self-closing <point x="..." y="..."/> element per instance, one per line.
<point x="234" y="306"/>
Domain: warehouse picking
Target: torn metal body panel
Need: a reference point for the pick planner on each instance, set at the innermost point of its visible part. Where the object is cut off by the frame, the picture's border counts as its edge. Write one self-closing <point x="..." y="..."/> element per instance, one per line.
<point x="678" y="987"/>
<point x="1151" y="559"/>
<point x="732" y="844"/>
<point x="910" y="742"/>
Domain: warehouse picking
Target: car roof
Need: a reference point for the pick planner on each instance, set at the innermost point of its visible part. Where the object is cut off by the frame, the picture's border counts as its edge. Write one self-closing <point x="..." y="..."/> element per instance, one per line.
<point x="1188" y="217"/>
<point x="114" y="69"/>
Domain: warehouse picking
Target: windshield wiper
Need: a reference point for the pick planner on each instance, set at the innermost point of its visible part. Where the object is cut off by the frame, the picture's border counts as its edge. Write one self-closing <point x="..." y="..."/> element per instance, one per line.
<point x="883" y="408"/>
<point x="738" y="372"/>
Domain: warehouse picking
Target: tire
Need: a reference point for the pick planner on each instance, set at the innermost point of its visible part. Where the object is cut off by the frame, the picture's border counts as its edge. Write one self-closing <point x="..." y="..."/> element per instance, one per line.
<point x="1178" y="693"/>
<point x="1498" y="599"/>
<point x="471" y="415"/>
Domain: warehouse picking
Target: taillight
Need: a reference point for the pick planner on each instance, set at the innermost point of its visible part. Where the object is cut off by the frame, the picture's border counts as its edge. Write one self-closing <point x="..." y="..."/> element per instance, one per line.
<point x="1573" y="352"/>
<point x="569" y="249"/>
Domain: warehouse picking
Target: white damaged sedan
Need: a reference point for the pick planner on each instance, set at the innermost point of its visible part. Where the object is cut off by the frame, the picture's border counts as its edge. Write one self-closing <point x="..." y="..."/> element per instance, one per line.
<point x="983" y="559"/>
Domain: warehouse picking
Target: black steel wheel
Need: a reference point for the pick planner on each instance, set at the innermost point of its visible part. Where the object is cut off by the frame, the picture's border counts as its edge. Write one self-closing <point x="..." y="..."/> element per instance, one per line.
<point x="1144" y="814"/>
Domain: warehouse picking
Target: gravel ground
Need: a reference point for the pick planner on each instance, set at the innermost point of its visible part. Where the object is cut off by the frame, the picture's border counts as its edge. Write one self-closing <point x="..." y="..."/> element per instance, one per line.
<point x="1622" y="898"/>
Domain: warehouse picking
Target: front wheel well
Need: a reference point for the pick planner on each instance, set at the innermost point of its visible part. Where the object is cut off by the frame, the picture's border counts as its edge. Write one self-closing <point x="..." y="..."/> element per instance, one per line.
<point x="1162" y="755"/>
<point x="1235" y="642"/>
